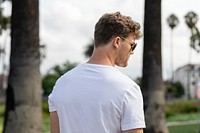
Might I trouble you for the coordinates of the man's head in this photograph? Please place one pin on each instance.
(111, 25)
(114, 39)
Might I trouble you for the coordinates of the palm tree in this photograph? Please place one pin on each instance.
(23, 103)
(191, 19)
(152, 82)
(4, 26)
(172, 21)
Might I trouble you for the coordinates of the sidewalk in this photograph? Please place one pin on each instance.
(179, 123)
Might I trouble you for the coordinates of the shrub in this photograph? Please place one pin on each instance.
(45, 107)
(181, 107)
(176, 90)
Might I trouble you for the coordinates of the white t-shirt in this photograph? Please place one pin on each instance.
(97, 99)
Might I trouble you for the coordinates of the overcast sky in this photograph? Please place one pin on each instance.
(66, 27)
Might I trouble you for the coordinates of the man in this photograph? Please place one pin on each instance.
(95, 97)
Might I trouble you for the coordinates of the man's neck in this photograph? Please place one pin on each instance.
(102, 57)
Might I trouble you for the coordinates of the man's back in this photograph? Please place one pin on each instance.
(97, 99)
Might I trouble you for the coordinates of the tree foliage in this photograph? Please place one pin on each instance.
(54, 73)
(48, 83)
(176, 90)
(4, 21)
(89, 49)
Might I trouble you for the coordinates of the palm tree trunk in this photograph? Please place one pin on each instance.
(152, 82)
(23, 103)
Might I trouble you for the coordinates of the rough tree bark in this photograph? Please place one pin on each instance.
(23, 103)
(152, 82)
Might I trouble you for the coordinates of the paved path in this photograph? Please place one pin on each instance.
(183, 123)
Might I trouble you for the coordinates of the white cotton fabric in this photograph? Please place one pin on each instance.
(97, 99)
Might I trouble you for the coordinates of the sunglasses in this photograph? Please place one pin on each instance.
(133, 45)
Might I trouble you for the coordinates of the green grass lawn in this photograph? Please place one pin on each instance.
(2, 108)
(45, 118)
(190, 128)
(194, 128)
(1, 124)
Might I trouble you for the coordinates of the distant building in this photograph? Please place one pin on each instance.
(189, 76)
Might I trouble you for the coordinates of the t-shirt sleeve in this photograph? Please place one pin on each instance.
(133, 112)
(51, 104)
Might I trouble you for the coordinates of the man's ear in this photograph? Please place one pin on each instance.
(117, 42)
